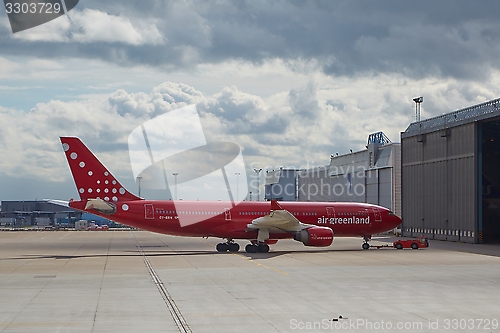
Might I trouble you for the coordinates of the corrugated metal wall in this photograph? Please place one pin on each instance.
(397, 182)
(314, 185)
(439, 177)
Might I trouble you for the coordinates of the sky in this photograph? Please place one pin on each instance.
(290, 82)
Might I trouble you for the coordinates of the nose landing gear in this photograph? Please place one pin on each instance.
(365, 245)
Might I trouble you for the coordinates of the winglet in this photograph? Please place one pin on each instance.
(275, 205)
(92, 179)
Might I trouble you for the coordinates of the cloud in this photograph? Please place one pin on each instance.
(92, 26)
(435, 39)
(95, 26)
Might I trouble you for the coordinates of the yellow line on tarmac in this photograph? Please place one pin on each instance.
(238, 255)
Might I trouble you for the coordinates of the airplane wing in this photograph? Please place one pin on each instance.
(279, 218)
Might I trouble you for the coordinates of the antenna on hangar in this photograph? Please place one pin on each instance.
(418, 101)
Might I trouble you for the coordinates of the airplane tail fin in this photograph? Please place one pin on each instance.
(92, 179)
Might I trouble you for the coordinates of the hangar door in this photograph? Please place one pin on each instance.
(489, 211)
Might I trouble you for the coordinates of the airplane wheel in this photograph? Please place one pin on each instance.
(366, 246)
(414, 246)
(251, 248)
(222, 247)
(234, 247)
(399, 246)
(263, 248)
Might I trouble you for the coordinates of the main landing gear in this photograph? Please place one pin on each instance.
(365, 245)
(230, 246)
(254, 248)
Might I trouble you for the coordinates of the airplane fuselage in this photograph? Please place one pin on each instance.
(221, 219)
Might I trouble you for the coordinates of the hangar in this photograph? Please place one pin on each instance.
(450, 178)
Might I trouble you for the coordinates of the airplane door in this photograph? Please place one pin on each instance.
(378, 216)
(330, 212)
(227, 212)
(149, 212)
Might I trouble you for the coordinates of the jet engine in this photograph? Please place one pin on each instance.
(315, 236)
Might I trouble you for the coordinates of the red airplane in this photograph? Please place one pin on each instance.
(262, 223)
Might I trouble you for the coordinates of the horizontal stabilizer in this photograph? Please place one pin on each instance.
(101, 206)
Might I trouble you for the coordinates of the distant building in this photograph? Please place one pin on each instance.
(39, 212)
(281, 185)
(372, 175)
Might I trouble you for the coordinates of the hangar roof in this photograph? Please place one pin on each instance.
(471, 114)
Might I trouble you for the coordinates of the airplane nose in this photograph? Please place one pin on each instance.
(397, 220)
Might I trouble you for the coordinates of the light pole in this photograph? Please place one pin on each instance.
(257, 171)
(139, 183)
(237, 185)
(418, 101)
(175, 175)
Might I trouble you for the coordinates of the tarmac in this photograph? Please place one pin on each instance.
(136, 281)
